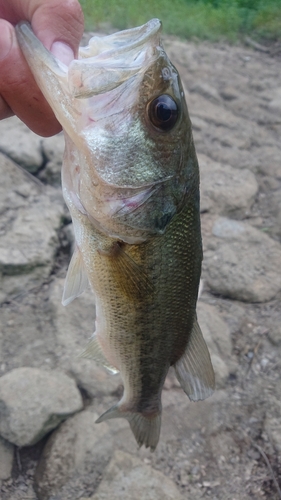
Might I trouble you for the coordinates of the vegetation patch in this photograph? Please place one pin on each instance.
(204, 19)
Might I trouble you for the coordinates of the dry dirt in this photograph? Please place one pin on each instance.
(229, 447)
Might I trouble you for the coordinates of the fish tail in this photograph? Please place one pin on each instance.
(145, 429)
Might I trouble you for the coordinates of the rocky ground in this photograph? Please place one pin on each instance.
(225, 448)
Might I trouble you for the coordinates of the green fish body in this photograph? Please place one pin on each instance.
(131, 182)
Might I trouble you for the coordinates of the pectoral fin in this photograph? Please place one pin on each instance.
(94, 351)
(194, 369)
(131, 276)
(76, 280)
(136, 279)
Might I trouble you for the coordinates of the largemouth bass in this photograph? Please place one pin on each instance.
(131, 182)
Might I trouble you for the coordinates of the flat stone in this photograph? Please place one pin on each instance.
(77, 452)
(20, 144)
(30, 215)
(33, 402)
(241, 262)
(128, 477)
(6, 459)
(226, 190)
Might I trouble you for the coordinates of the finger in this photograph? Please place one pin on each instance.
(66, 29)
(19, 90)
(52, 20)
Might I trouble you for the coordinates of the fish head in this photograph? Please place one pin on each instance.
(129, 161)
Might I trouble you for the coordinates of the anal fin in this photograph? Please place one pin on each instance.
(76, 280)
(194, 369)
(94, 351)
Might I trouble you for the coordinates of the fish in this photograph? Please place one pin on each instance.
(130, 179)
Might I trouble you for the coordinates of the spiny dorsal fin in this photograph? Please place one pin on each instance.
(94, 351)
(76, 280)
(194, 369)
(146, 430)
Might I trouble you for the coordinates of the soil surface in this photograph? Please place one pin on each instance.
(229, 446)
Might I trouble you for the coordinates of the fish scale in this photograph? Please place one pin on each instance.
(130, 179)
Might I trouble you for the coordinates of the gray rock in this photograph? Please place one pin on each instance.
(275, 103)
(206, 90)
(242, 262)
(20, 144)
(217, 336)
(274, 334)
(53, 148)
(272, 427)
(128, 477)
(73, 325)
(16, 187)
(33, 402)
(92, 378)
(226, 190)
(212, 113)
(267, 161)
(76, 452)
(6, 459)
(51, 174)
(229, 93)
(30, 216)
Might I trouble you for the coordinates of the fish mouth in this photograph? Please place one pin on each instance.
(104, 64)
(109, 61)
(122, 41)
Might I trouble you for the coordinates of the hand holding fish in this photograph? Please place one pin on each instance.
(59, 25)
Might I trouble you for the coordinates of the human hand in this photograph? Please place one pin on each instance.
(59, 24)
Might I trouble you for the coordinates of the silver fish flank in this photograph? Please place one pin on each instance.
(131, 182)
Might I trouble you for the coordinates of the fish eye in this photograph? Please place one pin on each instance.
(163, 112)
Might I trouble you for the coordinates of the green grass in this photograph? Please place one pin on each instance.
(205, 19)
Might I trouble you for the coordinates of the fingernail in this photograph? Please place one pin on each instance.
(6, 40)
(63, 52)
